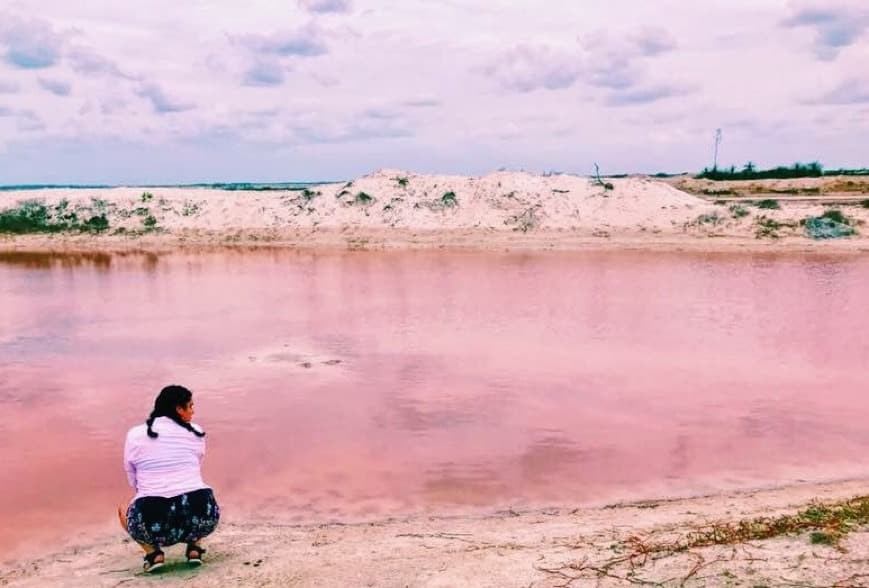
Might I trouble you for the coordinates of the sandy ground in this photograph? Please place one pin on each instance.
(395, 209)
(546, 548)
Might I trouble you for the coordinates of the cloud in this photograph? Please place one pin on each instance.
(305, 42)
(86, 61)
(836, 26)
(25, 120)
(533, 67)
(645, 96)
(324, 6)
(367, 126)
(160, 102)
(653, 42)
(264, 73)
(56, 87)
(9, 88)
(30, 44)
(851, 91)
(422, 103)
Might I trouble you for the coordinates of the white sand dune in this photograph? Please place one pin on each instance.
(393, 208)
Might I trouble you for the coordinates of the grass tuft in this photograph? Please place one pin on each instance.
(769, 204)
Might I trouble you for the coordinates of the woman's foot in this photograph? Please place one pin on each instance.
(154, 561)
(194, 554)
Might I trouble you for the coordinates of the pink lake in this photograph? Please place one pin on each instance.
(361, 385)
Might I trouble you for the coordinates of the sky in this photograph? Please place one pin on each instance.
(161, 91)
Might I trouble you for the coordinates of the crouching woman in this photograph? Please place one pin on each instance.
(162, 459)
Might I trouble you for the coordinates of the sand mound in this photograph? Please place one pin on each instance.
(502, 201)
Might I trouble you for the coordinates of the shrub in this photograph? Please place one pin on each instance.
(826, 227)
(31, 216)
(769, 204)
(836, 216)
(147, 196)
(362, 198)
(96, 224)
(864, 203)
(449, 199)
(738, 211)
(768, 227)
(402, 182)
(149, 222)
(711, 218)
(309, 194)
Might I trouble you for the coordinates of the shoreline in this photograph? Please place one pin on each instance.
(538, 548)
(405, 240)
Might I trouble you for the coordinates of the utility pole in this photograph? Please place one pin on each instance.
(717, 143)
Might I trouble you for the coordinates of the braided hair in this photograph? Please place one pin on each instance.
(169, 399)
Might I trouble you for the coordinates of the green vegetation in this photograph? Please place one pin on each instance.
(768, 227)
(830, 225)
(309, 194)
(711, 218)
(769, 204)
(363, 198)
(738, 211)
(750, 172)
(449, 200)
(190, 208)
(33, 216)
(402, 182)
(864, 203)
(828, 524)
(599, 182)
(149, 222)
(147, 196)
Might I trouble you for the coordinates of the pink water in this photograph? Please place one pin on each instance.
(363, 385)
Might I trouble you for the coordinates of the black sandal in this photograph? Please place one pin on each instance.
(151, 565)
(200, 551)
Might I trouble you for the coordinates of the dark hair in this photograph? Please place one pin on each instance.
(169, 399)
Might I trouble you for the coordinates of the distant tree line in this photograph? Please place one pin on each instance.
(798, 170)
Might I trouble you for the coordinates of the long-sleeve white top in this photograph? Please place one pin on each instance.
(166, 466)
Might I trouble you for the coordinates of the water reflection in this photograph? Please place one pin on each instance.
(350, 385)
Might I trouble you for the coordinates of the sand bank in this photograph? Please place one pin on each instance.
(545, 548)
(395, 209)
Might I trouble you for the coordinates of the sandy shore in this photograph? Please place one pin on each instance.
(395, 209)
(546, 548)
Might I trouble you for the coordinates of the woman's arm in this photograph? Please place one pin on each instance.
(129, 465)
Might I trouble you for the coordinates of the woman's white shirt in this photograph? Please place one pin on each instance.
(166, 466)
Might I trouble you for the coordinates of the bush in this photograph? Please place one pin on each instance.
(711, 218)
(449, 199)
(824, 227)
(33, 216)
(147, 196)
(96, 224)
(149, 222)
(738, 211)
(402, 182)
(836, 216)
(363, 198)
(864, 203)
(769, 204)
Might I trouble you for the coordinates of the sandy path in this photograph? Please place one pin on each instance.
(548, 548)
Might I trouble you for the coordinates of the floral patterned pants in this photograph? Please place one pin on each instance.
(184, 518)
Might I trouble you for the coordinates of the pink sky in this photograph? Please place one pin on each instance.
(321, 89)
